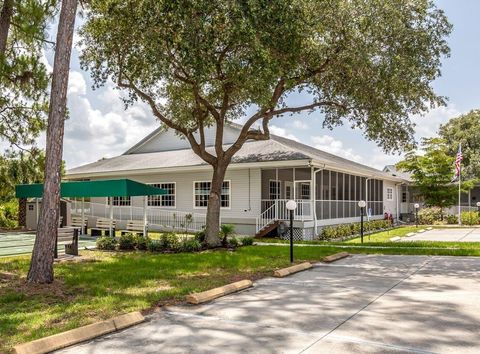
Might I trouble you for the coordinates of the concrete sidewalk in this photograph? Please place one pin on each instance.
(451, 234)
(361, 304)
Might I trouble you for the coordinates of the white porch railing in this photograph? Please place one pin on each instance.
(275, 209)
(161, 218)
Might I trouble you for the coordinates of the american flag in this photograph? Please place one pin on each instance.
(458, 162)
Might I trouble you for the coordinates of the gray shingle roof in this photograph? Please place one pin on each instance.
(275, 149)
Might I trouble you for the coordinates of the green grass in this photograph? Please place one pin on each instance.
(384, 236)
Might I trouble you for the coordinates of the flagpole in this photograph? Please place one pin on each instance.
(459, 189)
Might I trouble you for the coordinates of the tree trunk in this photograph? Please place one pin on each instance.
(213, 210)
(41, 267)
(22, 212)
(5, 19)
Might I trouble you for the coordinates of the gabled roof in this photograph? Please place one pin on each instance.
(392, 170)
(276, 149)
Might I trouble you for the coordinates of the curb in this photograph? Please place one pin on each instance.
(280, 273)
(335, 257)
(198, 298)
(78, 335)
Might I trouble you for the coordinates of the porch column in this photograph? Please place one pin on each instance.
(294, 185)
(83, 215)
(111, 216)
(145, 203)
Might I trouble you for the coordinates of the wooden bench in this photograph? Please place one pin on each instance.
(134, 227)
(67, 236)
(80, 224)
(103, 224)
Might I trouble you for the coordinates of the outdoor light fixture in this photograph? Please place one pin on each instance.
(416, 206)
(291, 206)
(361, 204)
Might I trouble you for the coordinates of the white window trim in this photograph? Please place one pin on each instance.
(389, 189)
(279, 188)
(229, 193)
(175, 196)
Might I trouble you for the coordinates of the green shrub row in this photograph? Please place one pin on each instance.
(346, 230)
(433, 216)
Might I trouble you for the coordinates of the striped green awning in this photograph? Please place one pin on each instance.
(100, 188)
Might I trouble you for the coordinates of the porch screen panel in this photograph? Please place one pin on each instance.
(325, 206)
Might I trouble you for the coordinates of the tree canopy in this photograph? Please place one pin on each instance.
(366, 63)
(23, 76)
(464, 130)
(432, 172)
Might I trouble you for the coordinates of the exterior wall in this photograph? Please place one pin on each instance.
(168, 140)
(390, 206)
(244, 195)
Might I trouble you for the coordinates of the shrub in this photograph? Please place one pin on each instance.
(429, 216)
(169, 241)
(346, 230)
(9, 214)
(127, 242)
(154, 245)
(226, 230)
(141, 242)
(469, 217)
(451, 219)
(106, 243)
(233, 242)
(247, 241)
(190, 245)
(200, 236)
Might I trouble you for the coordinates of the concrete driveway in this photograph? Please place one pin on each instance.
(362, 304)
(452, 234)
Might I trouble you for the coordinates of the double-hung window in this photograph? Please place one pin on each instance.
(389, 193)
(164, 200)
(274, 189)
(201, 193)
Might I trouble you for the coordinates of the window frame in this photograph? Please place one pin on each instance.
(118, 202)
(205, 207)
(389, 190)
(279, 189)
(161, 196)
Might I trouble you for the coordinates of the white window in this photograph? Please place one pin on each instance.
(274, 189)
(305, 191)
(201, 193)
(121, 201)
(165, 200)
(389, 193)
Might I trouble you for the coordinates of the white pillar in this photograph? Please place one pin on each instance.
(145, 202)
(83, 214)
(111, 216)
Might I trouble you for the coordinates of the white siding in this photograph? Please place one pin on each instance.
(244, 201)
(168, 140)
(390, 206)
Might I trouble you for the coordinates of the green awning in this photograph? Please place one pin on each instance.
(100, 188)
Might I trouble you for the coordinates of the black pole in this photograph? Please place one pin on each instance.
(361, 224)
(55, 253)
(291, 236)
(416, 217)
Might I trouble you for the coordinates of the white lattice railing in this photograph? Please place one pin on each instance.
(275, 209)
(161, 218)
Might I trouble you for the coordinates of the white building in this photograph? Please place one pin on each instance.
(262, 177)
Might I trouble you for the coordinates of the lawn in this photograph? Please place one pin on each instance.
(385, 236)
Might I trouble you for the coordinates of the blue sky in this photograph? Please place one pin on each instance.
(100, 127)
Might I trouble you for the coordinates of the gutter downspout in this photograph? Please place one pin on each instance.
(314, 175)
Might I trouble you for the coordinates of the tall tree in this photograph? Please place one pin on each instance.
(23, 76)
(432, 172)
(41, 266)
(464, 130)
(366, 63)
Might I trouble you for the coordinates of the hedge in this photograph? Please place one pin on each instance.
(346, 230)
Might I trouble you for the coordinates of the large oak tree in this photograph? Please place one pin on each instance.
(366, 63)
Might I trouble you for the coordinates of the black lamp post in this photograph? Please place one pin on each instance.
(416, 213)
(361, 204)
(291, 206)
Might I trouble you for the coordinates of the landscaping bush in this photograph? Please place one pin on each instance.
(190, 245)
(200, 236)
(233, 242)
(429, 216)
(106, 243)
(469, 218)
(154, 245)
(346, 230)
(451, 219)
(127, 242)
(141, 242)
(247, 241)
(226, 230)
(169, 241)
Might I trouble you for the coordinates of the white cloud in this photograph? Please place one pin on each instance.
(427, 126)
(300, 124)
(76, 83)
(282, 132)
(329, 144)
